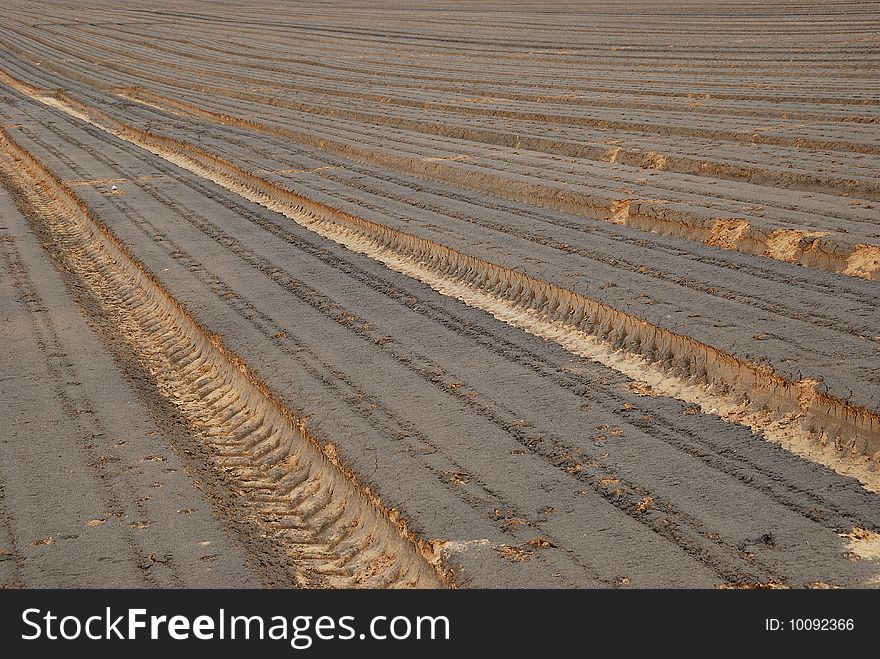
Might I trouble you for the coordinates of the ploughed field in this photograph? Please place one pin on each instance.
(474, 295)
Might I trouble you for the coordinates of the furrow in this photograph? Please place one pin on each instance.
(793, 413)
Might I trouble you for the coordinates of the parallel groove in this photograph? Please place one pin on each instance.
(749, 393)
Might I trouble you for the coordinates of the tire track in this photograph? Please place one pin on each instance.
(336, 535)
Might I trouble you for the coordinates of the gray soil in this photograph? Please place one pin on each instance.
(525, 465)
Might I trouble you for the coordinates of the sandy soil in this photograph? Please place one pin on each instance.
(570, 298)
